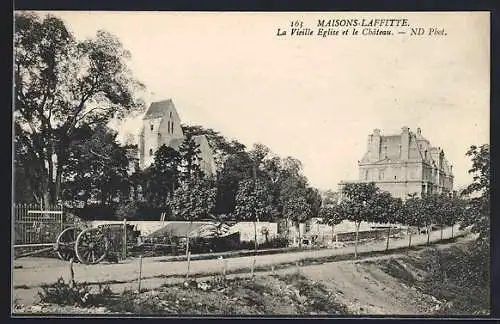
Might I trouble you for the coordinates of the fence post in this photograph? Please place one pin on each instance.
(188, 264)
(124, 249)
(140, 274)
(71, 274)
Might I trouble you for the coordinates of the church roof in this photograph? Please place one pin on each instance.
(175, 143)
(158, 109)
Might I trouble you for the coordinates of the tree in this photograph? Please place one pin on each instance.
(430, 208)
(193, 200)
(457, 213)
(189, 152)
(331, 215)
(97, 167)
(162, 177)
(298, 211)
(445, 211)
(313, 199)
(253, 203)
(359, 204)
(330, 198)
(236, 168)
(411, 214)
(478, 209)
(388, 210)
(61, 84)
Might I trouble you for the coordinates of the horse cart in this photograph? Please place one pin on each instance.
(91, 245)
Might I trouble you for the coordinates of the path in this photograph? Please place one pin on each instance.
(36, 271)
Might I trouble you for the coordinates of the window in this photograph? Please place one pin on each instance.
(170, 114)
(168, 126)
(151, 126)
(366, 175)
(150, 151)
(172, 127)
(381, 175)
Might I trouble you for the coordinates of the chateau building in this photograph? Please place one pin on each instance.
(161, 125)
(405, 164)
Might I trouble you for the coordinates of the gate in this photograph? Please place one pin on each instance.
(33, 225)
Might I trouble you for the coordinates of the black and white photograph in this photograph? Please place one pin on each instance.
(195, 164)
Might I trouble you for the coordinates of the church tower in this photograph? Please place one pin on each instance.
(160, 125)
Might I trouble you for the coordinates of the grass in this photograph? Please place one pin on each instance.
(78, 294)
(458, 276)
(285, 295)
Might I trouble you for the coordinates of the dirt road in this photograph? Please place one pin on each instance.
(32, 272)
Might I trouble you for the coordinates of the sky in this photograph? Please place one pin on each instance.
(313, 98)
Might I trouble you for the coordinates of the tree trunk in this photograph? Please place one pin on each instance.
(452, 230)
(298, 232)
(187, 248)
(61, 159)
(356, 242)
(428, 234)
(408, 233)
(441, 232)
(333, 233)
(255, 235)
(388, 235)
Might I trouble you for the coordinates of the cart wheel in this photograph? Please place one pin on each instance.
(66, 244)
(91, 246)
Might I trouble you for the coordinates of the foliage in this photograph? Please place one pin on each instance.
(97, 167)
(236, 168)
(331, 215)
(127, 211)
(60, 85)
(478, 209)
(194, 199)
(222, 147)
(388, 209)
(253, 201)
(297, 209)
(189, 152)
(63, 293)
(162, 177)
(412, 212)
(360, 203)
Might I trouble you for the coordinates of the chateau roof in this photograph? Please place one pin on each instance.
(158, 109)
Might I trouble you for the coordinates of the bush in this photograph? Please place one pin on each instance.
(79, 294)
(275, 243)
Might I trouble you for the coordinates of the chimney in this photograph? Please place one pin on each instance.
(375, 145)
(405, 143)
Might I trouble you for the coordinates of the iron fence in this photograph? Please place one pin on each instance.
(34, 225)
